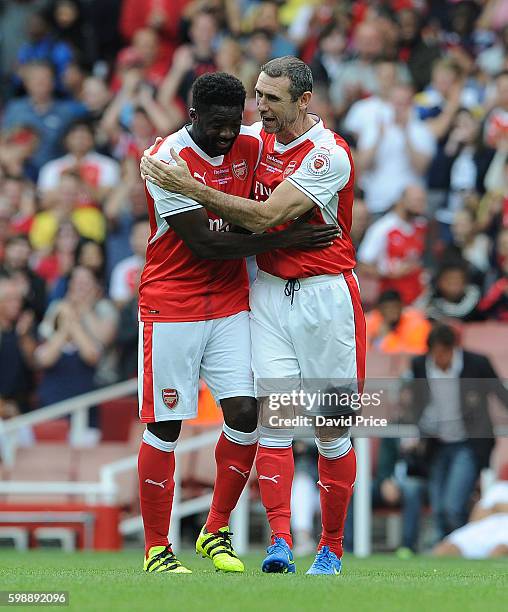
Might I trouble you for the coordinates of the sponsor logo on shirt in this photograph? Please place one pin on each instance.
(290, 168)
(274, 160)
(261, 192)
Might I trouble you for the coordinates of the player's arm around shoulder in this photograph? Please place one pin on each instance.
(323, 172)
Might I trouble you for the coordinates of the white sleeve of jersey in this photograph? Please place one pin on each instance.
(322, 173)
(168, 203)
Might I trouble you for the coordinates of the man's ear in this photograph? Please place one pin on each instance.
(305, 100)
(193, 114)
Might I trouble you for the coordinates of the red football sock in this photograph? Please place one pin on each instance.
(234, 462)
(336, 480)
(276, 468)
(156, 487)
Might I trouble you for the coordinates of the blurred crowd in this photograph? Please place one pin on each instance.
(419, 88)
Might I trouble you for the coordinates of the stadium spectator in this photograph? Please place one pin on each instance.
(76, 332)
(60, 260)
(17, 147)
(493, 60)
(494, 304)
(126, 203)
(190, 61)
(361, 221)
(304, 497)
(357, 79)
(451, 389)
(376, 108)
(400, 481)
(392, 328)
(42, 112)
(266, 17)
(394, 154)
(440, 101)
(145, 53)
(162, 15)
(328, 62)
(13, 34)
(496, 124)
(453, 295)
(66, 204)
(458, 168)
(20, 199)
(134, 117)
(90, 255)
(393, 246)
(99, 172)
(123, 284)
(17, 345)
(71, 27)
(471, 245)
(95, 96)
(16, 266)
(42, 46)
(486, 534)
(419, 54)
(127, 337)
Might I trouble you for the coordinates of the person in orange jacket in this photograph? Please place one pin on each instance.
(393, 328)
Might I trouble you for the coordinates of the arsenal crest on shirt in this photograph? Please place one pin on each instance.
(240, 169)
(170, 398)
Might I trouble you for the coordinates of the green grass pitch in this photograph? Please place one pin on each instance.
(114, 581)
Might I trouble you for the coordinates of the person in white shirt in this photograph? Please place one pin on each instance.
(377, 107)
(393, 154)
(124, 275)
(99, 172)
(486, 534)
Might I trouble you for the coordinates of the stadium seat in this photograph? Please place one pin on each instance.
(52, 431)
(116, 417)
(491, 339)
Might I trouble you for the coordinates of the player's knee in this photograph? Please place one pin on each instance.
(274, 437)
(327, 433)
(167, 431)
(333, 448)
(240, 413)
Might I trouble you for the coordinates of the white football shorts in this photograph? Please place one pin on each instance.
(315, 330)
(173, 356)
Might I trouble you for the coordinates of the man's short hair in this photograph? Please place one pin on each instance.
(217, 89)
(298, 73)
(79, 122)
(390, 295)
(442, 334)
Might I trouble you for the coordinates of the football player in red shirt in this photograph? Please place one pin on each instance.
(307, 320)
(194, 322)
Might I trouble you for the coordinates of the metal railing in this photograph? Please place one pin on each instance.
(106, 489)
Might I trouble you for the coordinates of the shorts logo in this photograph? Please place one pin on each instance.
(318, 164)
(290, 168)
(170, 398)
(240, 169)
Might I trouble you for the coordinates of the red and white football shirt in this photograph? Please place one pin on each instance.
(319, 164)
(175, 284)
(95, 169)
(390, 242)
